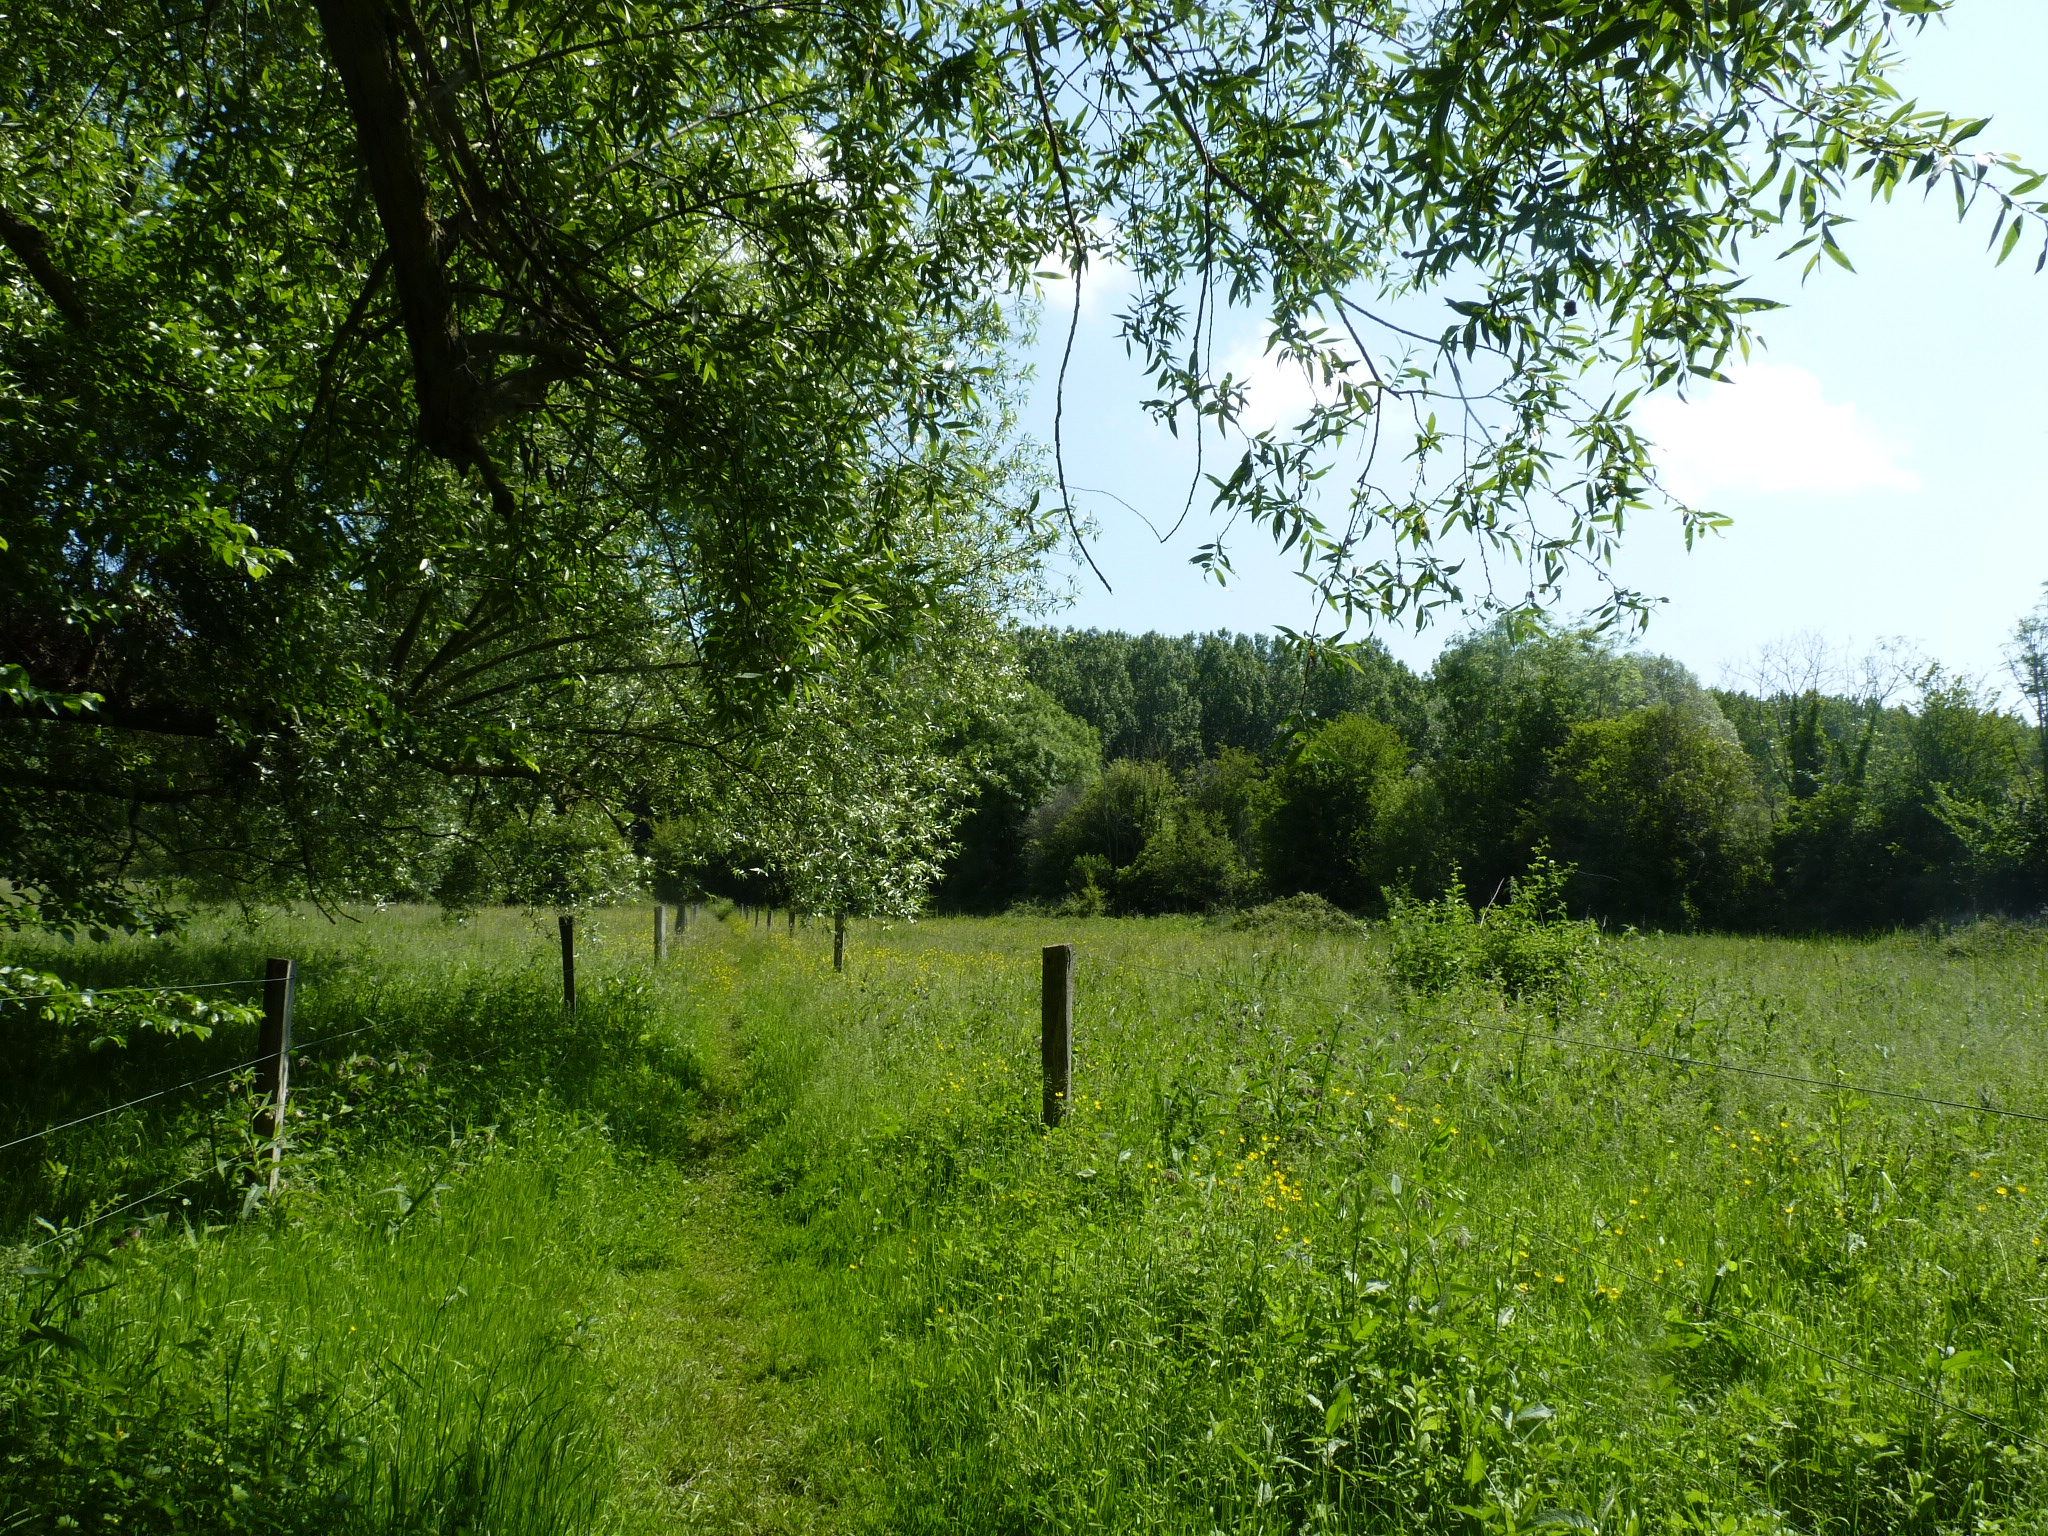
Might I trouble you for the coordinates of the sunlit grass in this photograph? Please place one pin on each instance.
(751, 1244)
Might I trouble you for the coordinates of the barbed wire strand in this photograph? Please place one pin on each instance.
(120, 1210)
(1798, 1343)
(1781, 1077)
(51, 1130)
(196, 986)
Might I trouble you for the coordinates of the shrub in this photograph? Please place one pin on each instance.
(1527, 947)
(1132, 842)
(1305, 913)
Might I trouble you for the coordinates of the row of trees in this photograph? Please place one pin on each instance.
(1149, 774)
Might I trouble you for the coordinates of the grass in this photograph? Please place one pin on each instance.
(753, 1246)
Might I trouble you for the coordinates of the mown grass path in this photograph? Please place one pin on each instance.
(723, 1404)
(721, 1397)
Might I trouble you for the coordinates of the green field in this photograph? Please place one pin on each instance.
(748, 1245)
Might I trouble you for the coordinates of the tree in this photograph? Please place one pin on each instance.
(1132, 841)
(1338, 811)
(1021, 752)
(1506, 703)
(1958, 751)
(1658, 811)
(403, 401)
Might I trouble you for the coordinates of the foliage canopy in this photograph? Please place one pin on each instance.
(407, 407)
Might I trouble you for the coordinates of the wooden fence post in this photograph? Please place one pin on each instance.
(792, 922)
(1056, 1045)
(567, 921)
(274, 1050)
(839, 941)
(660, 932)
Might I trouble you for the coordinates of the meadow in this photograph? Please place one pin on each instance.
(1325, 1242)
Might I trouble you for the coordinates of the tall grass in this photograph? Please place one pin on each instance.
(1316, 1252)
(402, 1338)
(1313, 1250)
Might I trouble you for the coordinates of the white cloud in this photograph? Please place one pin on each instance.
(1770, 430)
(1279, 392)
(1106, 283)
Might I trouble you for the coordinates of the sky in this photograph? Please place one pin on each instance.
(1881, 456)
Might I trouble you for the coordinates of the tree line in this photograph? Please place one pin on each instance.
(1153, 773)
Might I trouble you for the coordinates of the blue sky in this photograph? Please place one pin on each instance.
(1883, 457)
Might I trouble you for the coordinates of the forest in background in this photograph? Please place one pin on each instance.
(1154, 773)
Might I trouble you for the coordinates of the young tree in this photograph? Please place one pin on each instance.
(1657, 809)
(1020, 752)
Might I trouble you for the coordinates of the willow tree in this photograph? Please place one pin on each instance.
(405, 401)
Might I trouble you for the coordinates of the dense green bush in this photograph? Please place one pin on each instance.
(1132, 842)
(1528, 946)
(1344, 817)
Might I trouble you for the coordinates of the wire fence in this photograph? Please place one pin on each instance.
(297, 1050)
(115, 1109)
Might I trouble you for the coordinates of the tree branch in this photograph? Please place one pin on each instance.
(360, 42)
(31, 248)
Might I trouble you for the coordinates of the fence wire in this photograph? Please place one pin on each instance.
(51, 1130)
(196, 986)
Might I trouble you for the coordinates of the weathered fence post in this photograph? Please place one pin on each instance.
(660, 932)
(567, 920)
(792, 922)
(1056, 1045)
(839, 941)
(274, 1052)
